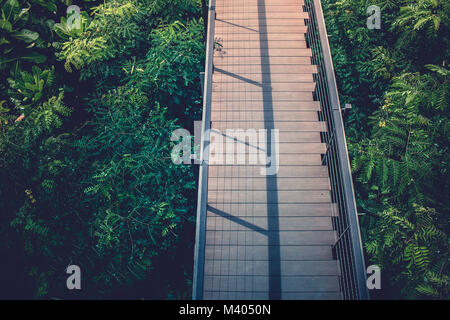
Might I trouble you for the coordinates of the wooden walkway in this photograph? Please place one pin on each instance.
(268, 236)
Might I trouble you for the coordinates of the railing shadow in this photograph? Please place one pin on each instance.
(238, 220)
(271, 184)
(236, 25)
(236, 76)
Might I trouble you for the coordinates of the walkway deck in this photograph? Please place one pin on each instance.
(268, 237)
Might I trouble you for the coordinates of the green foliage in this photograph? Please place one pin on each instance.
(39, 103)
(27, 90)
(169, 72)
(96, 39)
(412, 245)
(17, 42)
(85, 168)
(140, 197)
(427, 15)
(117, 28)
(397, 80)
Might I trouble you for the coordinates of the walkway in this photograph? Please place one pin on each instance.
(268, 236)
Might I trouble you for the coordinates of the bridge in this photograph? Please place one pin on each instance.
(276, 215)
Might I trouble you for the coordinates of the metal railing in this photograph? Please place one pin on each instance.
(348, 246)
(199, 250)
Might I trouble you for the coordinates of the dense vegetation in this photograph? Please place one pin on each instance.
(87, 108)
(397, 79)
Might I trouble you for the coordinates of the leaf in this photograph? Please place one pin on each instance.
(26, 35)
(34, 57)
(6, 25)
(49, 5)
(10, 9)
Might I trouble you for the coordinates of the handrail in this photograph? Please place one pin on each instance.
(199, 249)
(348, 249)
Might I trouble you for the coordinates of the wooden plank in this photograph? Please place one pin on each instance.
(276, 72)
(235, 295)
(268, 183)
(261, 52)
(244, 86)
(249, 295)
(300, 159)
(304, 126)
(254, 159)
(238, 155)
(295, 136)
(279, 210)
(264, 116)
(285, 159)
(241, 150)
(219, 223)
(249, 171)
(294, 284)
(259, 79)
(261, 253)
(290, 136)
(242, 15)
(237, 196)
(255, 3)
(301, 147)
(232, 144)
(251, 7)
(262, 106)
(243, 119)
(254, 171)
(335, 295)
(261, 22)
(268, 96)
(224, 28)
(254, 36)
(259, 239)
(285, 44)
(222, 60)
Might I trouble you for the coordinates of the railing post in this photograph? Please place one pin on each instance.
(199, 250)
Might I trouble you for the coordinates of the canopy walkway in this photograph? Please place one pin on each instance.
(287, 228)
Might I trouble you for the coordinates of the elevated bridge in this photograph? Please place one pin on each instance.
(277, 217)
